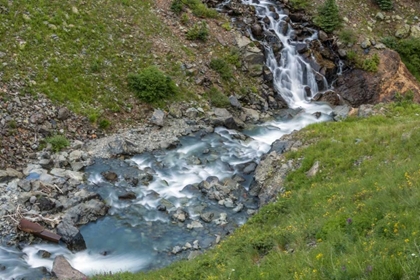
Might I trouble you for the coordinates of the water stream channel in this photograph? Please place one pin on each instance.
(139, 234)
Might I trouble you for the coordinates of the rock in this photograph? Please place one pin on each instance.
(365, 110)
(415, 31)
(380, 46)
(250, 168)
(380, 16)
(252, 114)
(207, 217)
(194, 224)
(110, 176)
(341, 112)
(314, 170)
(195, 245)
(75, 155)
(242, 41)
(365, 43)
(8, 174)
(63, 114)
(158, 117)
(322, 36)
(64, 271)
(360, 87)
(128, 196)
(222, 220)
(191, 113)
(176, 250)
(234, 102)
(257, 30)
(342, 53)
(45, 204)
(180, 215)
(71, 236)
(403, 31)
(238, 208)
(44, 254)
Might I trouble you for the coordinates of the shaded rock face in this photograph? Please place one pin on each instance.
(360, 87)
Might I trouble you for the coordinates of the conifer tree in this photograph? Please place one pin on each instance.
(385, 4)
(328, 17)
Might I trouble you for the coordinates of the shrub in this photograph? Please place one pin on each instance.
(58, 142)
(385, 5)
(328, 17)
(371, 64)
(217, 99)
(198, 32)
(177, 6)
(200, 10)
(221, 67)
(151, 85)
(347, 36)
(104, 124)
(299, 4)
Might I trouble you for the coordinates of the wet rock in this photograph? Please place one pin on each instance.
(322, 36)
(238, 208)
(71, 236)
(128, 196)
(194, 224)
(207, 217)
(166, 203)
(45, 204)
(63, 270)
(161, 208)
(222, 220)
(110, 176)
(176, 250)
(195, 245)
(44, 254)
(180, 215)
(257, 30)
(249, 168)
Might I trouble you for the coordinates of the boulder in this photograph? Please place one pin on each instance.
(403, 31)
(158, 117)
(64, 271)
(71, 236)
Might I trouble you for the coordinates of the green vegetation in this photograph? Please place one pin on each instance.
(221, 67)
(198, 8)
(217, 99)
(80, 54)
(299, 4)
(347, 36)
(328, 17)
(409, 50)
(199, 31)
(151, 85)
(385, 5)
(58, 142)
(357, 218)
(371, 64)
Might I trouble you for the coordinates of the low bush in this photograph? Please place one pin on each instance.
(221, 67)
(217, 99)
(371, 64)
(347, 36)
(199, 31)
(58, 142)
(151, 85)
(385, 5)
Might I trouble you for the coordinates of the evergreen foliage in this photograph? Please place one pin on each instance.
(409, 50)
(328, 17)
(151, 85)
(385, 5)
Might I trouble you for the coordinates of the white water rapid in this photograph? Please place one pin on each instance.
(138, 237)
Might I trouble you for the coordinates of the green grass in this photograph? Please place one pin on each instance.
(80, 55)
(357, 218)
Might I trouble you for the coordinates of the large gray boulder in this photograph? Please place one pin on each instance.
(63, 270)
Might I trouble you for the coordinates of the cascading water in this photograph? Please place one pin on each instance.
(136, 235)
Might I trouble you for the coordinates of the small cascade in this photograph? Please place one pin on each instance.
(141, 233)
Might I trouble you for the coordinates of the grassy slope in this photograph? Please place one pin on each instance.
(356, 219)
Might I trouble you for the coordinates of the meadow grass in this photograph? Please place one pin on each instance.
(357, 218)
